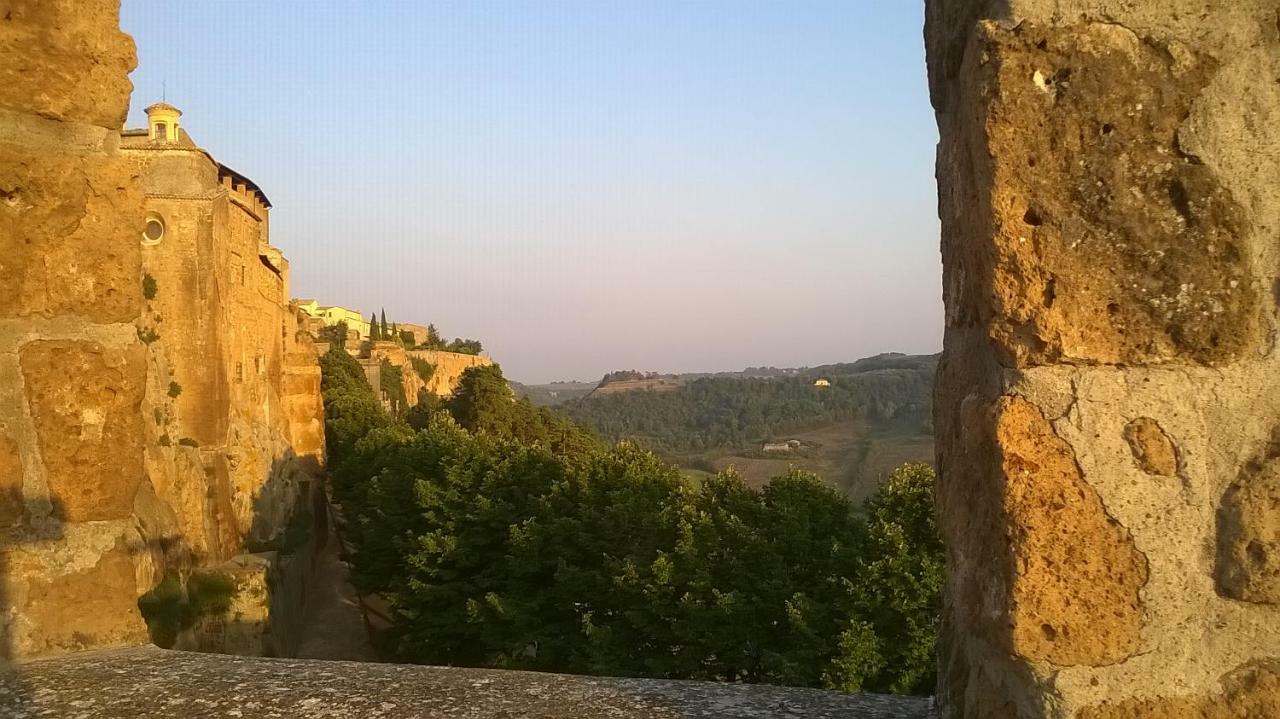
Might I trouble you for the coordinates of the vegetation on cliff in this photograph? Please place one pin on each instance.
(505, 535)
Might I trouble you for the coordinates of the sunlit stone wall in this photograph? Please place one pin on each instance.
(1108, 403)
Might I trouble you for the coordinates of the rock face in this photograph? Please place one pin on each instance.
(158, 411)
(449, 367)
(1107, 406)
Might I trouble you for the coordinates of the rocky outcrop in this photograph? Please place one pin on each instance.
(159, 409)
(1107, 400)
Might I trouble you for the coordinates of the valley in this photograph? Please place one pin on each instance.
(849, 423)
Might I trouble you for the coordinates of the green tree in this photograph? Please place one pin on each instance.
(386, 330)
(335, 335)
(901, 570)
(391, 379)
(465, 346)
(505, 536)
(434, 341)
(375, 332)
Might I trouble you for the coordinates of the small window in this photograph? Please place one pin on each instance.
(162, 132)
(153, 230)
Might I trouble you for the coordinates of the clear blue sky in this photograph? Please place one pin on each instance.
(582, 185)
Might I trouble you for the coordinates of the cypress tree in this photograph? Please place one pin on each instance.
(375, 332)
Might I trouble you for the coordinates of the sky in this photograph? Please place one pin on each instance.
(583, 185)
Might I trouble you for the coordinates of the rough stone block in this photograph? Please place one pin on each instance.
(86, 402)
(94, 607)
(1074, 594)
(1112, 244)
(66, 60)
(70, 229)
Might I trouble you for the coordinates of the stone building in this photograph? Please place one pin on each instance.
(243, 379)
(330, 315)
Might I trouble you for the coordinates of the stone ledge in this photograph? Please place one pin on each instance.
(146, 682)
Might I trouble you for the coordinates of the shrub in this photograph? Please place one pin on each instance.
(167, 609)
(175, 389)
(149, 286)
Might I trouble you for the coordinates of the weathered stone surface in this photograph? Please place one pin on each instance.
(1152, 449)
(1249, 536)
(62, 611)
(449, 368)
(1253, 691)
(1074, 594)
(1106, 190)
(1111, 243)
(69, 226)
(149, 683)
(66, 60)
(86, 402)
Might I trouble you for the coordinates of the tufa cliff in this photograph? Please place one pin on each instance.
(159, 411)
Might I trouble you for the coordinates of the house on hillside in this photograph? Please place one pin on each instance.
(787, 446)
(822, 382)
(357, 324)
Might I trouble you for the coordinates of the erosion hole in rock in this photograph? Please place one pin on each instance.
(1050, 293)
(1032, 217)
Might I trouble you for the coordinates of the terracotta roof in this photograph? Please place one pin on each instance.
(162, 106)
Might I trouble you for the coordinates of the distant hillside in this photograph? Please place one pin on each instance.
(874, 410)
(547, 395)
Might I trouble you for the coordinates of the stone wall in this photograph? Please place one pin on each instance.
(129, 447)
(1107, 407)
(73, 372)
(449, 368)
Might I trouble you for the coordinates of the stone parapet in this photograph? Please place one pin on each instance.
(147, 682)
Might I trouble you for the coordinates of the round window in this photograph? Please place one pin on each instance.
(153, 231)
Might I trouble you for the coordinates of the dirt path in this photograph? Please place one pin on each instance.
(334, 626)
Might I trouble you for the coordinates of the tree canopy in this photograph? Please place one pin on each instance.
(506, 536)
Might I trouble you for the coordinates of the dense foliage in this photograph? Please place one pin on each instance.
(737, 411)
(506, 536)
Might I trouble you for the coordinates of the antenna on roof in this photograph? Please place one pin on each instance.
(164, 91)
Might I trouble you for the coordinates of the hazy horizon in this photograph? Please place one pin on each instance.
(583, 186)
